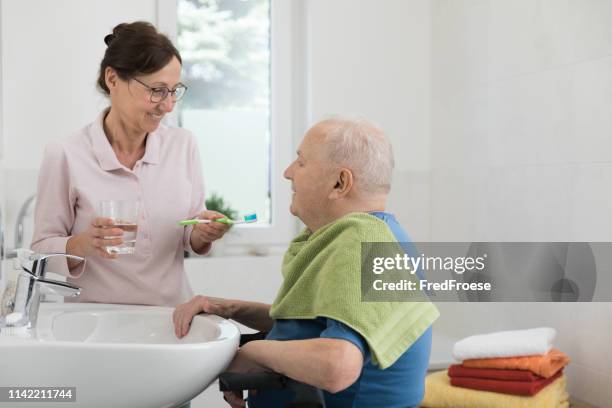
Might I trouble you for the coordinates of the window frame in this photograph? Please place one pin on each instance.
(285, 84)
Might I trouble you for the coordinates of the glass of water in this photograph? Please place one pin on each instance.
(125, 216)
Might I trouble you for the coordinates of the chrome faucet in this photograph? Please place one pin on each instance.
(31, 284)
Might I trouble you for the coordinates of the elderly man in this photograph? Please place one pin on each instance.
(362, 354)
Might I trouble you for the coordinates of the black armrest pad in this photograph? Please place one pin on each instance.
(307, 396)
(251, 381)
(245, 338)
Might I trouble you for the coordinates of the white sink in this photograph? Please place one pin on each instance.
(117, 355)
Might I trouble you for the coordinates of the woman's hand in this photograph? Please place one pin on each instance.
(95, 239)
(203, 234)
(184, 313)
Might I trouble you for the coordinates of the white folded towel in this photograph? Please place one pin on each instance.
(513, 343)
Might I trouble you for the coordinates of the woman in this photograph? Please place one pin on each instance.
(127, 154)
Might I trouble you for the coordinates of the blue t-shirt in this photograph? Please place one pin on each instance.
(401, 385)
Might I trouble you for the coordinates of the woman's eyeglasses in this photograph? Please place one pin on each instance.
(159, 93)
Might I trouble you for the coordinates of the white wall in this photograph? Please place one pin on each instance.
(520, 152)
(51, 51)
(372, 58)
(44, 99)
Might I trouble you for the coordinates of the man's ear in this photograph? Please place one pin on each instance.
(111, 78)
(344, 184)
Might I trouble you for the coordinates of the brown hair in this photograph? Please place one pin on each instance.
(133, 49)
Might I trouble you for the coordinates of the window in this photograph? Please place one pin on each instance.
(237, 57)
(225, 45)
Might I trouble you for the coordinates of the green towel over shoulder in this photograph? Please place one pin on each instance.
(322, 278)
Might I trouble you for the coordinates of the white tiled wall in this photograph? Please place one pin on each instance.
(521, 102)
(410, 201)
(372, 59)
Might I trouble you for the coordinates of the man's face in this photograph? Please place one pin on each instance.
(312, 178)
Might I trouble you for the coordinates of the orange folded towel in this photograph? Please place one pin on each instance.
(545, 365)
(504, 386)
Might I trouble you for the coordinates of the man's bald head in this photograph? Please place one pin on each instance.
(362, 147)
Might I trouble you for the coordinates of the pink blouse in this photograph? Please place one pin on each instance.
(79, 172)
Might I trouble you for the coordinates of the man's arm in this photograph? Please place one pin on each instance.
(252, 314)
(330, 364)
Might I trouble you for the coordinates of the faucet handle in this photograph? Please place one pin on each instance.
(36, 263)
(40, 257)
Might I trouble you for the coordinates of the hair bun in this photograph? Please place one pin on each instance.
(109, 39)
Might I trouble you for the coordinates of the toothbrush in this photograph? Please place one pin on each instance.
(245, 220)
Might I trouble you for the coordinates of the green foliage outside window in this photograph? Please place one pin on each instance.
(216, 203)
(225, 50)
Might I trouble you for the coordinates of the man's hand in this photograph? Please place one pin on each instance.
(234, 398)
(184, 313)
(242, 363)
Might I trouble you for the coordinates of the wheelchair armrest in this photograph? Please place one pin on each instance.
(306, 396)
(245, 338)
(251, 381)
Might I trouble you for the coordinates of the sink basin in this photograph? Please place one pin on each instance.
(117, 355)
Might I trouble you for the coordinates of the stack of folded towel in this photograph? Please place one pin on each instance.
(504, 369)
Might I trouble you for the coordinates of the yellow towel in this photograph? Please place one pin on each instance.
(439, 393)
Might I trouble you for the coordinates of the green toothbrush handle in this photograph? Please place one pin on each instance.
(224, 221)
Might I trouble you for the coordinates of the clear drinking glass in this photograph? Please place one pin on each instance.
(125, 216)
